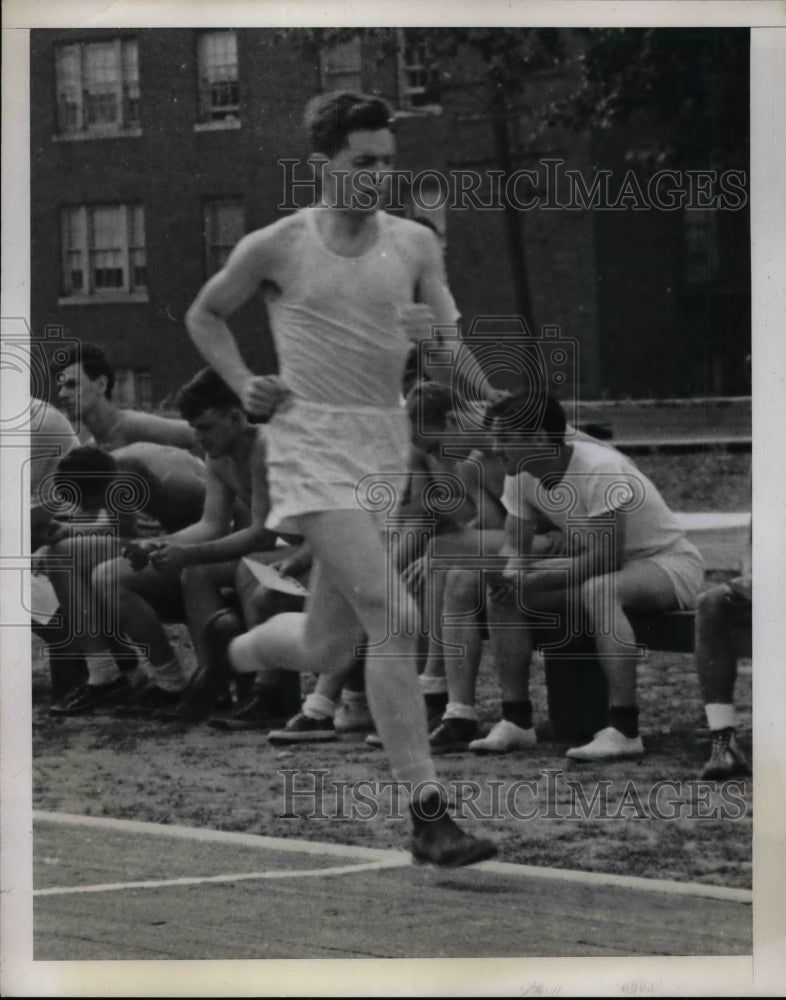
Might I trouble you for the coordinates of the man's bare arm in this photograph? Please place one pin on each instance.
(248, 265)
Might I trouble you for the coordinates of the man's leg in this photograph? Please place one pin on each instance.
(349, 593)
(461, 633)
(639, 586)
(511, 646)
(136, 598)
(718, 611)
(86, 628)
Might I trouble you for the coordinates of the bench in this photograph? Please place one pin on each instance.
(575, 683)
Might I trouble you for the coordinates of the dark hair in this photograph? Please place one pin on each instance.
(526, 411)
(206, 391)
(85, 470)
(329, 119)
(92, 360)
(429, 403)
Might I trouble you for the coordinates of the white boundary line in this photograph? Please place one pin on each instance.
(377, 858)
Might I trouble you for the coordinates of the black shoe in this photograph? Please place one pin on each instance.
(256, 712)
(208, 683)
(435, 709)
(304, 729)
(439, 841)
(85, 699)
(150, 700)
(726, 759)
(452, 735)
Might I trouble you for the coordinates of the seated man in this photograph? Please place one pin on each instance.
(720, 612)
(110, 490)
(625, 551)
(85, 382)
(204, 557)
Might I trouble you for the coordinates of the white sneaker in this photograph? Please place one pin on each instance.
(504, 737)
(353, 717)
(609, 744)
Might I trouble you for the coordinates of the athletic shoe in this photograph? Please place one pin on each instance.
(304, 729)
(440, 842)
(452, 735)
(88, 697)
(252, 713)
(608, 744)
(150, 700)
(353, 717)
(505, 737)
(726, 759)
(207, 682)
(374, 740)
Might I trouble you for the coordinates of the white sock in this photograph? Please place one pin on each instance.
(169, 676)
(101, 669)
(317, 706)
(433, 685)
(720, 716)
(456, 710)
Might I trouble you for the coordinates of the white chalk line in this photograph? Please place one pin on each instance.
(379, 858)
(369, 866)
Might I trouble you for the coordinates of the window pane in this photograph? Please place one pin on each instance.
(341, 66)
(224, 227)
(69, 87)
(218, 74)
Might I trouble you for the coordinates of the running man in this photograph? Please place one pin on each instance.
(341, 280)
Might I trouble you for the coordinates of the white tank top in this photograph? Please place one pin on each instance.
(335, 324)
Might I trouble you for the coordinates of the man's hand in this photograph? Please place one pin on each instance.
(262, 395)
(502, 586)
(417, 321)
(169, 557)
(138, 553)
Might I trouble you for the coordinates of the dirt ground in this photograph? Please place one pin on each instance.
(649, 817)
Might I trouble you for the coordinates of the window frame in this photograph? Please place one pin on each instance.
(124, 126)
(209, 116)
(326, 72)
(405, 90)
(89, 293)
(209, 248)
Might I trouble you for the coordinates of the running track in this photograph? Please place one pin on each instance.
(113, 889)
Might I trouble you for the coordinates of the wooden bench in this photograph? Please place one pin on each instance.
(575, 683)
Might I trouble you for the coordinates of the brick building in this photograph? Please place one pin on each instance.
(154, 150)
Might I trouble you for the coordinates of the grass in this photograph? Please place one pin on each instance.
(146, 770)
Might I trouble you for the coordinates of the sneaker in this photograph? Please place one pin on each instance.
(208, 682)
(726, 759)
(255, 712)
(440, 842)
(505, 737)
(150, 700)
(452, 735)
(608, 744)
(374, 740)
(304, 729)
(88, 697)
(353, 717)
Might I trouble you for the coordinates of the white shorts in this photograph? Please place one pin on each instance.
(323, 457)
(685, 568)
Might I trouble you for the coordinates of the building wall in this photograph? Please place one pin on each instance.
(611, 282)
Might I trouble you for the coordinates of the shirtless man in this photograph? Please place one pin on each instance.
(341, 281)
(111, 490)
(203, 557)
(85, 382)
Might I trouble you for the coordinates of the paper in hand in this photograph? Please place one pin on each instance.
(273, 580)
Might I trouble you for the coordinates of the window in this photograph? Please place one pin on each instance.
(103, 251)
(701, 246)
(224, 226)
(219, 91)
(417, 72)
(97, 88)
(340, 66)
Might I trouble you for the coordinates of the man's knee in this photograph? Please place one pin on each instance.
(712, 604)
(463, 590)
